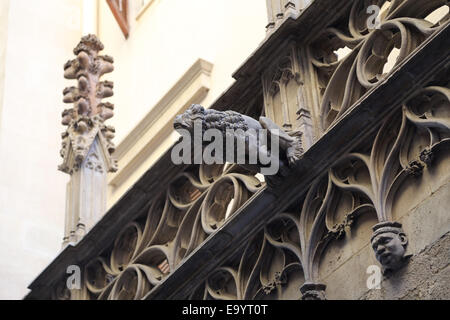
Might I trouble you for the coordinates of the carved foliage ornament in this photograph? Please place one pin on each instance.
(85, 120)
(403, 148)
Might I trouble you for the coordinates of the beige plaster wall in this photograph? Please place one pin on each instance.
(38, 39)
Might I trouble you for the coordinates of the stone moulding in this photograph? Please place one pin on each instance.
(261, 222)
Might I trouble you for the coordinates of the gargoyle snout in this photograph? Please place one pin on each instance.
(178, 122)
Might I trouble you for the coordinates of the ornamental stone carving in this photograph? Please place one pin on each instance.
(87, 145)
(85, 120)
(342, 79)
(364, 182)
(389, 243)
(243, 131)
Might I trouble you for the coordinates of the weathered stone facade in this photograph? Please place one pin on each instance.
(371, 192)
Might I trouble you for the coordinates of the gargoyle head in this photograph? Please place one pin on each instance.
(389, 243)
(88, 43)
(186, 120)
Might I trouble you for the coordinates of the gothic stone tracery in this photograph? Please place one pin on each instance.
(310, 89)
(197, 203)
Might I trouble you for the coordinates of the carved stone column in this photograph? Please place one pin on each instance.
(87, 143)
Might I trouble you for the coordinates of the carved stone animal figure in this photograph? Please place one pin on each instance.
(290, 147)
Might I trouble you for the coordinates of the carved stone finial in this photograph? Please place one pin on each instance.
(313, 291)
(389, 243)
(279, 280)
(85, 120)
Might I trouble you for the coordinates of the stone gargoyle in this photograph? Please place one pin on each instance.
(260, 137)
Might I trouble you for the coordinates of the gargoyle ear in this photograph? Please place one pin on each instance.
(403, 239)
(196, 108)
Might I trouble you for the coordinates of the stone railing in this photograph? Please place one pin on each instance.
(376, 139)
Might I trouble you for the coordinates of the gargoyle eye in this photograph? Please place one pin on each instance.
(196, 108)
(385, 240)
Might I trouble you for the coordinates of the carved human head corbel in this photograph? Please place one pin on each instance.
(389, 243)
